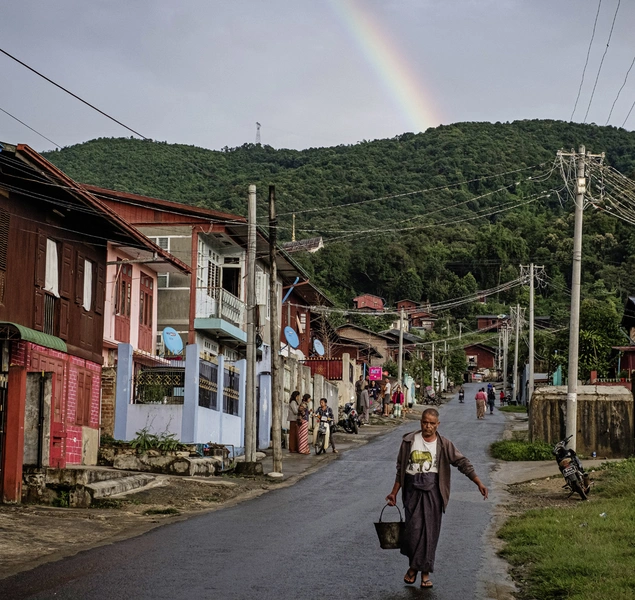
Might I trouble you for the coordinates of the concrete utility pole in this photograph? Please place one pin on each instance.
(274, 334)
(505, 350)
(445, 351)
(250, 392)
(433, 386)
(400, 361)
(531, 334)
(515, 378)
(574, 327)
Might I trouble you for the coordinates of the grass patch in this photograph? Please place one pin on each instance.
(161, 511)
(513, 409)
(521, 450)
(575, 552)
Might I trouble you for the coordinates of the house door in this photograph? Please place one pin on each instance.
(58, 410)
(122, 304)
(145, 313)
(3, 412)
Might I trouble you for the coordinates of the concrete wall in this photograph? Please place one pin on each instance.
(156, 417)
(604, 419)
(108, 396)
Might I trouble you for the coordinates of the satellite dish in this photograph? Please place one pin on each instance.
(292, 337)
(318, 347)
(172, 340)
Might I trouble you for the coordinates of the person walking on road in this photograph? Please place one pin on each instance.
(480, 398)
(423, 476)
(303, 425)
(292, 417)
(491, 400)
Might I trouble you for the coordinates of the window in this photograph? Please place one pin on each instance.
(84, 397)
(163, 280)
(87, 302)
(4, 246)
(51, 277)
(145, 301)
(163, 243)
(124, 291)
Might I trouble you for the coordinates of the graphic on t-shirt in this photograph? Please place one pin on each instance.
(420, 461)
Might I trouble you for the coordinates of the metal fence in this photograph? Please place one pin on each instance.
(159, 385)
(231, 391)
(329, 368)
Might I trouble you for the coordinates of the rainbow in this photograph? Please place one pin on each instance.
(400, 79)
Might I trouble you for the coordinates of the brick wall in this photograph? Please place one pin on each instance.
(108, 394)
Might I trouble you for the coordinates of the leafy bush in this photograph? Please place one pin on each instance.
(521, 450)
(164, 442)
(513, 409)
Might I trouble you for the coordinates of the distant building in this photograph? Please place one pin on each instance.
(310, 245)
(480, 356)
(490, 322)
(369, 302)
(419, 316)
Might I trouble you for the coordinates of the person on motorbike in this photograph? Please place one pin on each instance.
(325, 411)
(461, 394)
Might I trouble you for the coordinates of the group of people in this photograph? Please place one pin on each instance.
(482, 399)
(368, 392)
(298, 417)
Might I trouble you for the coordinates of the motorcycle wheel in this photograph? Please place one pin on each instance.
(578, 489)
(355, 428)
(319, 444)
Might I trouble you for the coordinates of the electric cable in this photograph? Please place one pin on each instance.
(597, 14)
(29, 127)
(602, 61)
(620, 91)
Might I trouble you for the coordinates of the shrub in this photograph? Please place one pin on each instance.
(521, 450)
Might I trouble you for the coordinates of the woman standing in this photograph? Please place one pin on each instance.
(292, 417)
(480, 398)
(303, 425)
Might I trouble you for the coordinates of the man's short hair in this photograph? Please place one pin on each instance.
(430, 411)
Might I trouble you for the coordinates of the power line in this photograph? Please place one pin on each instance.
(72, 94)
(602, 61)
(29, 127)
(629, 113)
(619, 92)
(587, 60)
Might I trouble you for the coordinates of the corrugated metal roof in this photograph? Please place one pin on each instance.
(37, 337)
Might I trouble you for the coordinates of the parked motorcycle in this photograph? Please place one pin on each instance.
(571, 469)
(350, 421)
(321, 442)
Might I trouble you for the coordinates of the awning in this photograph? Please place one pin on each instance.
(13, 331)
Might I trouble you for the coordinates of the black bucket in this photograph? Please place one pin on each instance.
(389, 534)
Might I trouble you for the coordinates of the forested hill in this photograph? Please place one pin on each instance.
(426, 246)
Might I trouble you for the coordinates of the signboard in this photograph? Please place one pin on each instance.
(374, 373)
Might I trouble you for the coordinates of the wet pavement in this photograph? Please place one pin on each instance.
(313, 539)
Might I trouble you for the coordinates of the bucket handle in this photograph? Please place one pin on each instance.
(383, 509)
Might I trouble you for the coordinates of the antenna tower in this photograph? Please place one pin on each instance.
(257, 133)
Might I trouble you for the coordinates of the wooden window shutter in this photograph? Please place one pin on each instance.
(4, 238)
(65, 313)
(40, 260)
(66, 280)
(100, 291)
(38, 313)
(88, 396)
(79, 279)
(79, 405)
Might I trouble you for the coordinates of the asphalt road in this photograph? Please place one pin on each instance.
(314, 539)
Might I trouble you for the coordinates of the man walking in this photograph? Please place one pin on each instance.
(423, 476)
(386, 396)
(365, 404)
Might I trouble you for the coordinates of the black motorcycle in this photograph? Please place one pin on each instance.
(571, 469)
(349, 420)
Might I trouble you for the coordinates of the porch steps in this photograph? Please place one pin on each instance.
(85, 495)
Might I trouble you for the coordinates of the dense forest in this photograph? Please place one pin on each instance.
(430, 216)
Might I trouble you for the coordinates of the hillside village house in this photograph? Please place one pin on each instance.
(204, 396)
(369, 302)
(53, 257)
(419, 317)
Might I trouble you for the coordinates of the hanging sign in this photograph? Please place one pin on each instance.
(374, 373)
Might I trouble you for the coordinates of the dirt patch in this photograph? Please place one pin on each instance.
(33, 534)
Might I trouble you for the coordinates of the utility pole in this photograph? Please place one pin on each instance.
(400, 361)
(250, 395)
(531, 334)
(515, 379)
(460, 330)
(433, 386)
(445, 351)
(274, 333)
(505, 350)
(574, 326)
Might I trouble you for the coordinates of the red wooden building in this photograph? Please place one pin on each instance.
(480, 356)
(53, 238)
(368, 302)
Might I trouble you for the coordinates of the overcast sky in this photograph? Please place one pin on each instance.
(312, 72)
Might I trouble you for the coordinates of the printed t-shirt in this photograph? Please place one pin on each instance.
(423, 456)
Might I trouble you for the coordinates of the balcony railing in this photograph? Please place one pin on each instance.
(218, 303)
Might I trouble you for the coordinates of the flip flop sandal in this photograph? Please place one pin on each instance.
(426, 584)
(410, 580)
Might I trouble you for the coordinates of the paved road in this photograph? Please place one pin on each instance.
(313, 540)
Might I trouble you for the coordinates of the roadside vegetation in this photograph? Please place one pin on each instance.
(581, 551)
(521, 450)
(513, 409)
